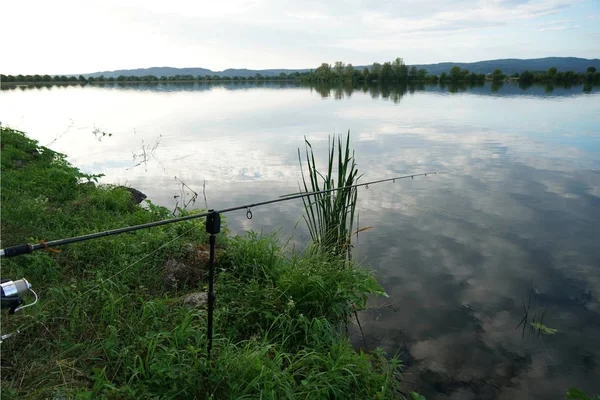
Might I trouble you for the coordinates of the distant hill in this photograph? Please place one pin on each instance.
(169, 71)
(512, 65)
(156, 71)
(508, 66)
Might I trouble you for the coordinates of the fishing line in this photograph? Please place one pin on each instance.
(30, 248)
(134, 263)
(12, 291)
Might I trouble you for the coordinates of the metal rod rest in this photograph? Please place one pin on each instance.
(213, 226)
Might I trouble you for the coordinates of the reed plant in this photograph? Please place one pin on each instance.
(330, 216)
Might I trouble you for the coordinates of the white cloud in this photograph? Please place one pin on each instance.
(560, 28)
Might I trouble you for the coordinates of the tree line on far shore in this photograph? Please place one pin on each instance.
(398, 72)
(555, 76)
(146, 78)
(389, 72)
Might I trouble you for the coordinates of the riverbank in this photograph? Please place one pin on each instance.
(125, 316)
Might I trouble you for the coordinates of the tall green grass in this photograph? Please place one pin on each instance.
(330, 216)
(108, 325)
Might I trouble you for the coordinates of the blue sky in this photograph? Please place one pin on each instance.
(69, 36)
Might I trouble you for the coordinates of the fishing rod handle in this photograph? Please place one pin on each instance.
(17, 250)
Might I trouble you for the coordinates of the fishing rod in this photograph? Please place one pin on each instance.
(30, 248)
(213, 227)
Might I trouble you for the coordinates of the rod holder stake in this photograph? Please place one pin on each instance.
(213, 226)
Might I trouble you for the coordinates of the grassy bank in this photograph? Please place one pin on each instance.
(113, 320)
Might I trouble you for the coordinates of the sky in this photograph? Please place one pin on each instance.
(72, 37)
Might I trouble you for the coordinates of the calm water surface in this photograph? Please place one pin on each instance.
(516, 211)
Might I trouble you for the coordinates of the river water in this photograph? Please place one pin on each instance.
(513, 215)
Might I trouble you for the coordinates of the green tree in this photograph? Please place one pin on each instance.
(551, 72)
(375, 71)
(365, 74)
(455, 74)
(443, 77)
(526, 77)
(338, 69)
(386, 72)
(281, 75)
(570, 76)
(497, 75)
(81, 78)
(400, 70)
(591, 77)
(349, 72)
(323, 73)
(412, 75)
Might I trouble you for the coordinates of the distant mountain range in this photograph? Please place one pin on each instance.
(512, 65)
(508, 66)
(170, 71)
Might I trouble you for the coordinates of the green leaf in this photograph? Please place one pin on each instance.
(543, 328)
(417, 396)
(574, 393)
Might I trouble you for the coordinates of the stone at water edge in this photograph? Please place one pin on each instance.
(137, 196)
